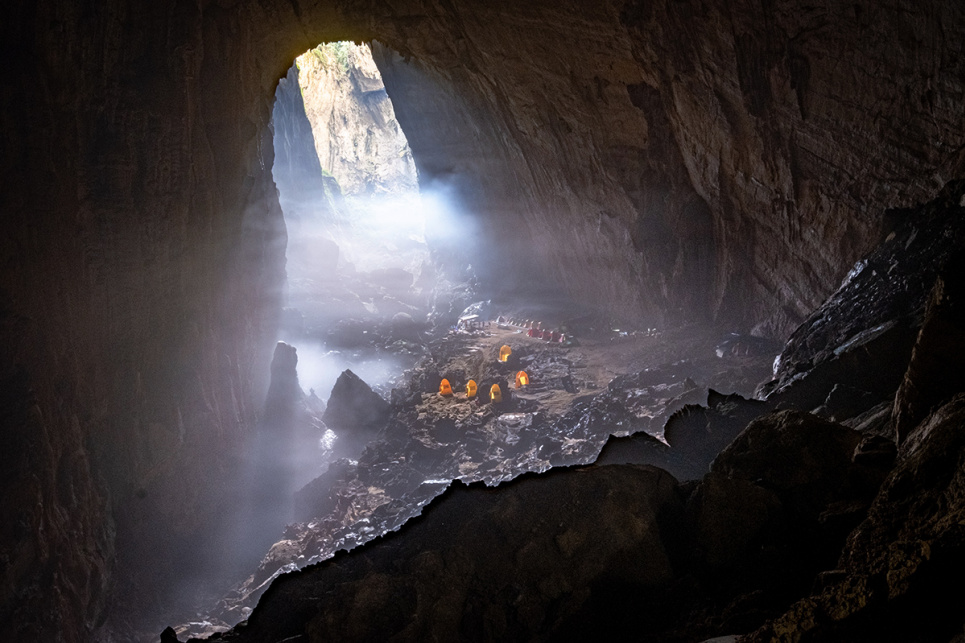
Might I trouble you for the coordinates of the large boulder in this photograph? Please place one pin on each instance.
(776, 508)
(355, 413)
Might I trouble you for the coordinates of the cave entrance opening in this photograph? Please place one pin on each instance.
(359, 274)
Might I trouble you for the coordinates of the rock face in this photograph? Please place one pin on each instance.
(934, 373)
(304, 192)
(357, 137)
(861, 338)
(481, 564)
(654, 158)
(355, 412)
(668, 123)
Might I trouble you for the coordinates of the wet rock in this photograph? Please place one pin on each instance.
(935, 372)
(865, 331)
(355, 412)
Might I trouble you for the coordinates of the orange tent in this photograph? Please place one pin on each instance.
(522, 379)
(495, 394)
(445, 388)
(504, 353)
(471, 388)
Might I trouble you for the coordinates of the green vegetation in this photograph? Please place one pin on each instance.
(329, 53)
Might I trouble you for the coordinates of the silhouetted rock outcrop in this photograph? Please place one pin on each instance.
(355, 412)
(899, 575)
(483, 564)
(937, 367)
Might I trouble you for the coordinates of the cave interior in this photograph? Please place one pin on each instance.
(761, 179)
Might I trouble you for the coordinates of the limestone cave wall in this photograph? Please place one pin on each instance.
(729, 160)
(663, 160)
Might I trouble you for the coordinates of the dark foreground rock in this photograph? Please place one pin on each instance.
(481, 564)
(596, 551)
(900, 574)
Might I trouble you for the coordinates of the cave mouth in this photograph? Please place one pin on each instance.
(368, 290)
(360, 276)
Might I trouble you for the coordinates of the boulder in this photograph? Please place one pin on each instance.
(355, 413)
(775, 509)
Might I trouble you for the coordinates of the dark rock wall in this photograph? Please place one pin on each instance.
(665, 159)
(141, 273)
(637, 128)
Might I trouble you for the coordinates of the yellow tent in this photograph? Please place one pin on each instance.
(495, 394)
(504, 353)
(445, 388)
(471, 388)
(522, 379)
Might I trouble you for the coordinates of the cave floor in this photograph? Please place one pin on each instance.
(433, 439)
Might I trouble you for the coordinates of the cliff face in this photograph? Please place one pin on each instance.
(357, 138)
(730, 159)
(143, 252)
(675, 160)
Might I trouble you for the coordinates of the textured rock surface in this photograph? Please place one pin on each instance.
(899, 569)
(357, 137)
(303, 191)
(355, 412)
(861, 337)
(781, 130)
(935, 371)
(484, 564)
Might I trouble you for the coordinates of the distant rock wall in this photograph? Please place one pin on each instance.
(357, 137)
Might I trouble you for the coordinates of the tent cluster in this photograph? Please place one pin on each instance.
(495, 393)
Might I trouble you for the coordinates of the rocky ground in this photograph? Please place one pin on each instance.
(580, 394)
(829, 510)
